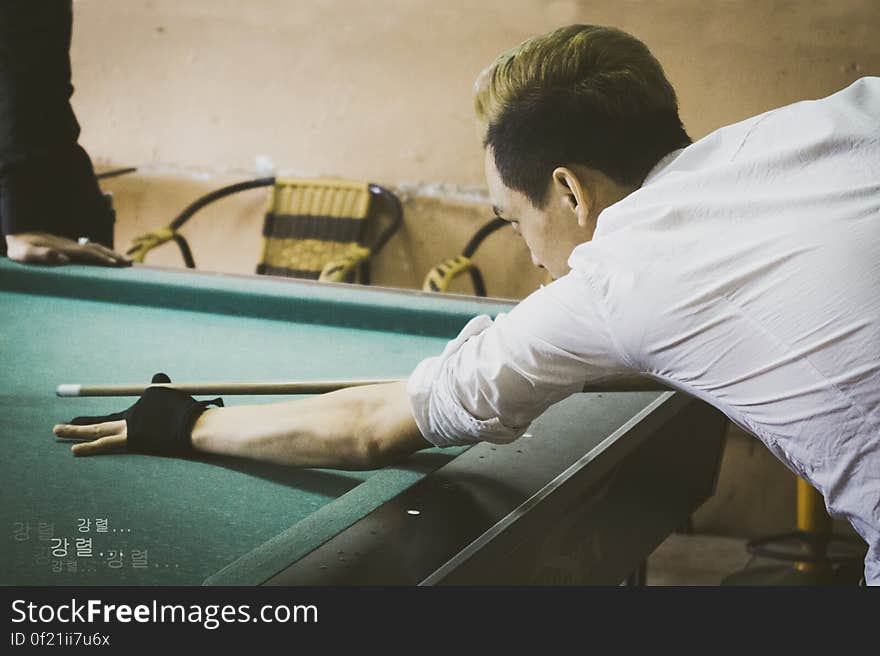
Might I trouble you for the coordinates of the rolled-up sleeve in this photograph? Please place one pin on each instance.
(496, 377)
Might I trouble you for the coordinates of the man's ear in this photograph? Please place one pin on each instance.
(574, 193)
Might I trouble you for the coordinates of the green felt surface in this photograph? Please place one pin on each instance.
(194, 518)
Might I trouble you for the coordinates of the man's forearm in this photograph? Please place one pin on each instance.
(354, 428)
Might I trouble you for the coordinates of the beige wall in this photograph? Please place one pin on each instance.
(380, 89)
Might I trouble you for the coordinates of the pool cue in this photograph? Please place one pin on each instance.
(218, 389)
(305, 387)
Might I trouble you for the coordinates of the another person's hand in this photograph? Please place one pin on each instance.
(160, 422)
(44, 248)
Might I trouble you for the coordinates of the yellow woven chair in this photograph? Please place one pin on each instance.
(315, 228)
(441, 276)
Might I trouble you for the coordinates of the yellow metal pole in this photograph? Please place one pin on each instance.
(813, 519)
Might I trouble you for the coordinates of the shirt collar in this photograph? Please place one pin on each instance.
(665, 161)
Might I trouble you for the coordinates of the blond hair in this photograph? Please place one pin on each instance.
(603, 58)
(581, 73)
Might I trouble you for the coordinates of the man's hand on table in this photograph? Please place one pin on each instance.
(160, 422)
(98, 439)
(45, 248)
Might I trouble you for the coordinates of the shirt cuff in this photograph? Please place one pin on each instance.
(441, 418)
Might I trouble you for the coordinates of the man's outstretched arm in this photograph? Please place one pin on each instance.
(355, 428)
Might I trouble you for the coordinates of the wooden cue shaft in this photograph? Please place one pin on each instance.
(307, 387)
(219, 389)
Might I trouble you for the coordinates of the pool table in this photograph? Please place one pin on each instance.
(596, 484)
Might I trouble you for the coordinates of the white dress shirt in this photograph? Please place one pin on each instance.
(745, 271)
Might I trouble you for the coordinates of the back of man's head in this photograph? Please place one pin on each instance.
(580, 94)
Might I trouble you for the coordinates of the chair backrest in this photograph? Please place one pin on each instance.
(310, 223)
(313, 227)
(441, 276)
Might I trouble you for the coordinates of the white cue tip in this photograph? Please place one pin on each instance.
(68, 390)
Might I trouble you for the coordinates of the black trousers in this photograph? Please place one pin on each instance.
(47, 182)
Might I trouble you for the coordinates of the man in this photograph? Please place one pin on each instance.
(741, 269)
(51, 209)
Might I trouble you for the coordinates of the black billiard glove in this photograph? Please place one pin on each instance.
(160, 422)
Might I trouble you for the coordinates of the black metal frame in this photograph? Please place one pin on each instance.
(804, 547)
(392, 201)
(471, 247)
(114, 173)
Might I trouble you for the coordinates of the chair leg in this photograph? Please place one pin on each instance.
(639, 576)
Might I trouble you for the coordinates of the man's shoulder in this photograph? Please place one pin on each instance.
(851, 111)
